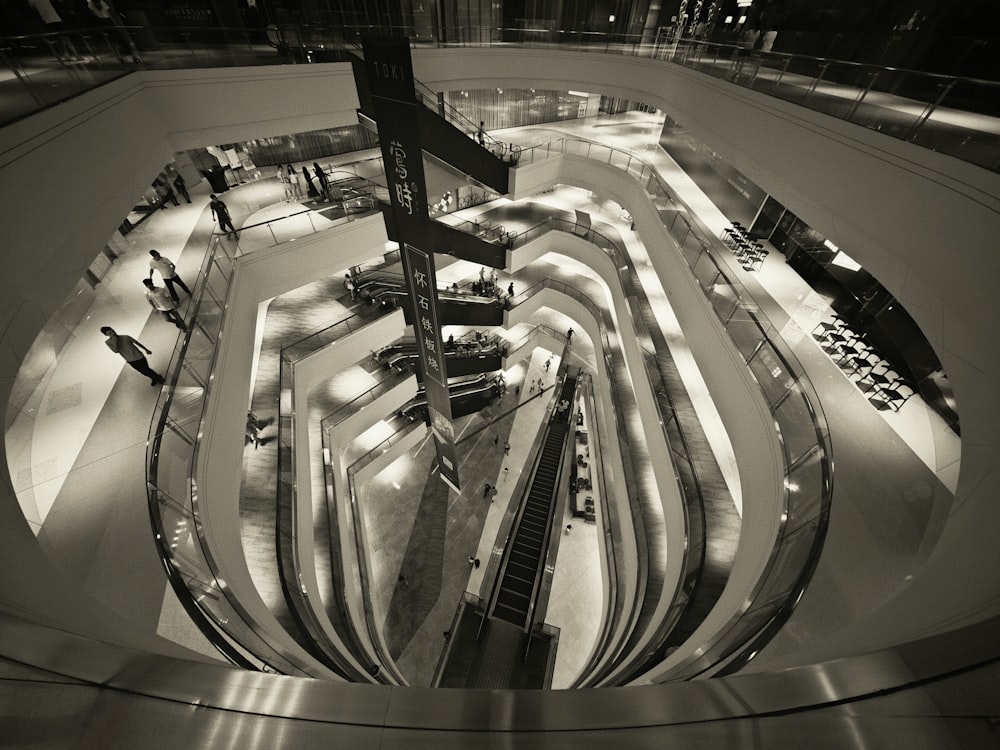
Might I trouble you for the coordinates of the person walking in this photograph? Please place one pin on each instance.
(168, 272)
(253, 429)
(221, 212)
(293, 181)
(181, 185)
(510, 289)
(322, 181)
(569, 336)
(128, 348)
(548, 364)
(310, 187)
(486, 489)
(160, 301)
(166, 193)
(506, 447)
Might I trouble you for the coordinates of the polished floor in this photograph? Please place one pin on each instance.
(85, 418)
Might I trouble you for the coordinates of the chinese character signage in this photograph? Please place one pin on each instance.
(390, 79)
(422, 284)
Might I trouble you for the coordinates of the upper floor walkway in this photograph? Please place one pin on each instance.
(953, 115)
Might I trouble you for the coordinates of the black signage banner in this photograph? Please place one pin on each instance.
(422, 285)
(390, 79)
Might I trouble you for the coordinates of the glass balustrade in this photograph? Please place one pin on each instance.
(790, 395)
(172, 449)
(953, 115)
(800, 425)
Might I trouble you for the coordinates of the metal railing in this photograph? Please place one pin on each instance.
(804, 458)
(288, 501)
(789, 393)
(922, 108)
(171, 456)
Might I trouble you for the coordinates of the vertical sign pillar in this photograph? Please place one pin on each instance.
(390, 80)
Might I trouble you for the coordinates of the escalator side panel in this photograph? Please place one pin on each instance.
(460, 150)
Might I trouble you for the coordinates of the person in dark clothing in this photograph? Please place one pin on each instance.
(221, 212)
(181, 186)
(310, 187)
(324, 184)
(165, 192)
(128, 348)
(481, 133)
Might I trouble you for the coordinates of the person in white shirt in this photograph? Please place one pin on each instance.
(160, 301)
(168, 273)
(128, 348)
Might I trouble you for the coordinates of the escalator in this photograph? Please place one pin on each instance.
(524, 557)
(445, 134)
(467, 397)
(454, 307)
(462, 357)
(475, 241)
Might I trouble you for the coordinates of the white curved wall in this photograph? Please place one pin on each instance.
(923, 223)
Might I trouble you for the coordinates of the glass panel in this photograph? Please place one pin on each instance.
(771, 373)
(880, 109)
(723, 298)
(704, 270)
(962, 124)
(805, 490)
(621, 159)
(744, 332)
(794, 553)
(798, 431)
(838, 90)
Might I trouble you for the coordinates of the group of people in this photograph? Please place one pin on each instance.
(317, 184)
(163, 300)
(538, 385)
(165, 184)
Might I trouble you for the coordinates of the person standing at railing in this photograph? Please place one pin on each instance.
(221, 212)
(324, 184)
(283, 179)
(311, 191)
(481, 134)
(128, 348)
(293, 181)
